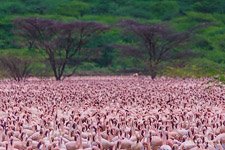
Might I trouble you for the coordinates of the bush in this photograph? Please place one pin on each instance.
(73, 8)
(88, 68)
(164, 9)
(216, 56)
(8, 7)
(196, 68)
(16, 67)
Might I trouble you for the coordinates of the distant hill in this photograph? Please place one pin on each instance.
(180, 14)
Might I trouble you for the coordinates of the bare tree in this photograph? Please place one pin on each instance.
(16, 67)
(156, 42)
(61, 42)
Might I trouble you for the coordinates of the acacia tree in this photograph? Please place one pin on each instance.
(156, 42)
(16, 67)
(61, 42)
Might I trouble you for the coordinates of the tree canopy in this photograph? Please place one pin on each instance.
(60, 41)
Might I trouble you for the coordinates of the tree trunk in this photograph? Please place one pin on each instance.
(58, 78)
(153, 74)
(153, 71)
(53, 66)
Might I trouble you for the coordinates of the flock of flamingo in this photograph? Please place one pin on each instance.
(112, 113)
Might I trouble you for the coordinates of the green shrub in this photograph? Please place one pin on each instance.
(196, 68)
(12, 7)
(73, 8)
